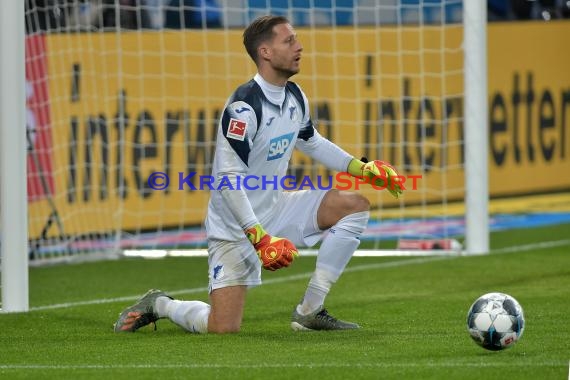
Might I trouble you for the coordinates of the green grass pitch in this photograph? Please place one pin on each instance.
(412, 312)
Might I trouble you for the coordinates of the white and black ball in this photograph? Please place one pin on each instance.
(495, 321)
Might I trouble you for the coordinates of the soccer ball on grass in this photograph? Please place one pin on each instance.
(495, 321)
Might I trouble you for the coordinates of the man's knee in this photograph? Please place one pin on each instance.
(226, 309)
(360, 203)
(350, 203)
(222, 326)
(337, 205)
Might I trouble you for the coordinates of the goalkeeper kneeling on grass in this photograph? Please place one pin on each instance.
(250, 229)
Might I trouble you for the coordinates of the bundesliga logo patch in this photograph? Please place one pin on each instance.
(236, 129)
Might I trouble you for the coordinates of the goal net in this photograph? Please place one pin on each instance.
(122, 91)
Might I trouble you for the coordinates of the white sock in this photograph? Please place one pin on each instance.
(335, 253)
(318, 288)
(190, 315)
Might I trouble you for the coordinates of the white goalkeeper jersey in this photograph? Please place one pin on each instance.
(259, 127)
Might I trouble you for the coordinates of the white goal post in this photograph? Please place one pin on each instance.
(13, 200)
(103, 105)
(476, 130)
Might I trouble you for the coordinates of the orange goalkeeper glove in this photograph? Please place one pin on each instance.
(274, 252)
(378, 173)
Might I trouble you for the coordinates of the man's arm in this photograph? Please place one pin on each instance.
(273, 252)
(378, 173)
(234, 143)
(321, 149)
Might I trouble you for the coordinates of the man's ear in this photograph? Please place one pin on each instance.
(264, 52)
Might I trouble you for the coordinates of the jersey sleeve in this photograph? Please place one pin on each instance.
(238, 126)
(324, 151)
(237, 129)
(313, 144)
(237, 202)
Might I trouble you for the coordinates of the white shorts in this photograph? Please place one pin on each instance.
(234, 263)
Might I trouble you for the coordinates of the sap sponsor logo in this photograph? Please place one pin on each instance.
(236, 129)
(279, 145)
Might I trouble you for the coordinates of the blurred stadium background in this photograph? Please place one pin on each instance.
(117, 90)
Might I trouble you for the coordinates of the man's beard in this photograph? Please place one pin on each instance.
(287, 72)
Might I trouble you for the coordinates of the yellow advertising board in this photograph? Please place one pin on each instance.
(529, 107)
(126, 106)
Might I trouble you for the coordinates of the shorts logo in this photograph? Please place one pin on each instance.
(218, 272)
(279, 145)
(236, 129)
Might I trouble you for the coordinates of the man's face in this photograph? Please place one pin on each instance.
(285, 50)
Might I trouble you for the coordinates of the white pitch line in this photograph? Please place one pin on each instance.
(306, 275)
(301, 276)
(281, 366)
(528, 247)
